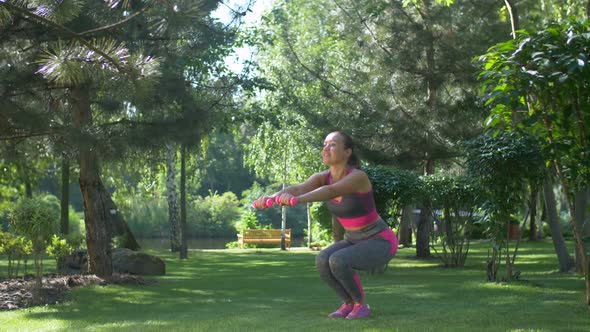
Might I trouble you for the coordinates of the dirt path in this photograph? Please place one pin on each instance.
(17, 293)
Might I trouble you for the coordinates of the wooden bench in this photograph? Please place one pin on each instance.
(263, 236)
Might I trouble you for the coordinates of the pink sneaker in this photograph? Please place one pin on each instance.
(343, 311)
(359, 311)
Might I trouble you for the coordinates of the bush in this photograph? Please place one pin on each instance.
(76, 236)
(214, 215)
(321, 219)
(393, 189)
(59, 249)
(210, 216)
(320, 236)
(37, 219)
(247, 220)
(454, 202)
(147, 217)
(16, 249)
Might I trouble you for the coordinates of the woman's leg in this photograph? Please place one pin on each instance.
(323, 266)
(363, 255)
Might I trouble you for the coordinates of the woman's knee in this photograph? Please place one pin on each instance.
(338, 264)
(322, 261)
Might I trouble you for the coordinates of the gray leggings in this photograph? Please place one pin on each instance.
(336, 263)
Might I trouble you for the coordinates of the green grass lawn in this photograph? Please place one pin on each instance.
(273, 290)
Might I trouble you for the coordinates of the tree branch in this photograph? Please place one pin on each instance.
(65, 30)
(117, 24)
(364, 23)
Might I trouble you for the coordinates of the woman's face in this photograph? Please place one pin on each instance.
(334, 151)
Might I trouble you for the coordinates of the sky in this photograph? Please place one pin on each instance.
(251, 18)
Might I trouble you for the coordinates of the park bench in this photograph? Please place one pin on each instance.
(263, 236)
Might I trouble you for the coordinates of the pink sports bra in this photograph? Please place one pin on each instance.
(353, 210)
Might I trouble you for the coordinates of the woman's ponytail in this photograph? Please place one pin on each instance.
(353, 160)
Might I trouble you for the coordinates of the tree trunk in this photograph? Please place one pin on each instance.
(580, 218)
(283, 227)
(533, 212)
(65, 196)
(183, 229)
(541, 204)
(172, 198)
(405, 227)
(28, 189)
(565, 260)
(337, 230)
(309, 235)
(513, 12)
(425, 220)
(284, 208)
(98, 235)
(508, 263)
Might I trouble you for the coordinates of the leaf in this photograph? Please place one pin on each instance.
(492, 120)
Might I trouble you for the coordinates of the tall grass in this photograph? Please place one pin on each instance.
(273, 290)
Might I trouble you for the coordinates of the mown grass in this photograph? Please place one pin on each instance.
(271, 290)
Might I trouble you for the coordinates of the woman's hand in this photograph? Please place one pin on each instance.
(286, 199)
(263, 202)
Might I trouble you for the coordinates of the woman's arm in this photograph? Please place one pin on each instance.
(315, 181)
(356, 181)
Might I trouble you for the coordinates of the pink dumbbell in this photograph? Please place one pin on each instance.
(268, 203)
(292, 201)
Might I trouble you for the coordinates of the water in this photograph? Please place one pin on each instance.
(199, 243)
(195, 243)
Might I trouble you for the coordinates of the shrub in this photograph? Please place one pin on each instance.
(320, 236)
(248, 220)
(59, 249)
(214, 215)
(37, 219)
(455, 201)
(147, 217)
(76, 236)
(502, 165)
(16, 249)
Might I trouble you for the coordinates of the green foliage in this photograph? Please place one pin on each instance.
(286, 152)
(448, 190)
(503, 165)
(393, 189)
(540, 83)
(59, 249)
(397, 77)
(247, 220)
(210, 216)
(455, 201)
(214, 215)
(321, 216)
(77, 229)
(321, 235)
(220, 166)
(16, 248)
(146, 216)
(35, 218)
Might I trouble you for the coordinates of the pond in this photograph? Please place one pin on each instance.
(200, 243)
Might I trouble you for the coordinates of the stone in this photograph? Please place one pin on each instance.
(138, 263)
(77, 260)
